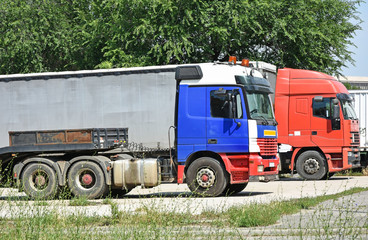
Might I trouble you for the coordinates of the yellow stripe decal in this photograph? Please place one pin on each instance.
(269, 132)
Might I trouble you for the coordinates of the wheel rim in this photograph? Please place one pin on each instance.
(311, 166)
(85, 179)
(206, 177)
(39, 180)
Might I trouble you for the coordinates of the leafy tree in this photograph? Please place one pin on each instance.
(312, 34)
(34, 36)
(52, 35)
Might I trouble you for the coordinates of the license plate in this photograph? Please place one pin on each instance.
(272, 164)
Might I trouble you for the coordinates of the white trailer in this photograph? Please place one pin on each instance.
(360, 107)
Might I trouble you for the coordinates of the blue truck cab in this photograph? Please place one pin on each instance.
(226, 132)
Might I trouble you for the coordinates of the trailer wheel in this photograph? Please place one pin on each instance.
(206, 176)
(232, 189)
(311, 165)
(39, 181)
(86, 179)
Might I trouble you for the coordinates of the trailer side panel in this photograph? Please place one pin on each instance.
(360, 107)
(143, 101)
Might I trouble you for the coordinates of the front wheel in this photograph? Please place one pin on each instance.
(311, 165)
(39, 181)
(206, 176)
(86, 179)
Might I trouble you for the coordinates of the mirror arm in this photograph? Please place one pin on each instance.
(237, 123)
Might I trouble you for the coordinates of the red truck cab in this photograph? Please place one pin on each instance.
(318, 131)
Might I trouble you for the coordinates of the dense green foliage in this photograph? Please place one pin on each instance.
(54, 35)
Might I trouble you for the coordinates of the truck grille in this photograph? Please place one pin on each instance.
(268, 146)
(355, 138)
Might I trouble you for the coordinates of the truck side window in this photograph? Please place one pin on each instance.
(322, 109)
(220, 105)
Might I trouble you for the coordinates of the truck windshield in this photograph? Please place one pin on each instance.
(348, 109)
(257, 91)
(259, 105)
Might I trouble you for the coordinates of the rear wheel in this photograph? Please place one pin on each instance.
(206, 176)
(39, 181)
(311, 165)
(86, 179)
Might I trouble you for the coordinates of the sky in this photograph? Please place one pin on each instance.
(361, 51)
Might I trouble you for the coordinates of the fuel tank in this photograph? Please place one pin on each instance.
(129, 173)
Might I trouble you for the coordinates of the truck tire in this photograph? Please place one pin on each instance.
(232, 189)
(311, 165)
(207, 177)
(86, 179)
(39, 181)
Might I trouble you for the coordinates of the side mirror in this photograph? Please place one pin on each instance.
(335, 121)
(234, 107)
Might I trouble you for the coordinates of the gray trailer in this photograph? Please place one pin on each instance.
(141, 98)
(361, 108)
(35, 106)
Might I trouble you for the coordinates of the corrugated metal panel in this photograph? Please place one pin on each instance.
(142, 101)
(360, 106)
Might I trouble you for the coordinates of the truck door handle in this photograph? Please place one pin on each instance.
(314, 132)
(212, 141)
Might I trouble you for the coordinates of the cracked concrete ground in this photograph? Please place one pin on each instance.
(344, 218)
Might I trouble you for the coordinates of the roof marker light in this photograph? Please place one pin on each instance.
(245, 62)
(232, 59)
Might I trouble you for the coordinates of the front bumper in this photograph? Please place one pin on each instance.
(264, 178)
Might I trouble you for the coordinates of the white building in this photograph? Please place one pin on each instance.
(361, 82)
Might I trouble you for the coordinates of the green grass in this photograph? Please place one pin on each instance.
(267, 214)
(41, 203)
(349, 173)
(354, 172)
(148, 222)
(81, 201)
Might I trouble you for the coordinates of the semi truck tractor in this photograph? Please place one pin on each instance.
(318, 127)
(208, 125)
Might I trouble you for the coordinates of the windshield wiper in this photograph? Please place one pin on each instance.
(265, 122)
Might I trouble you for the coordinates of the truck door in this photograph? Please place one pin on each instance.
(227, 125)
(321, 127)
